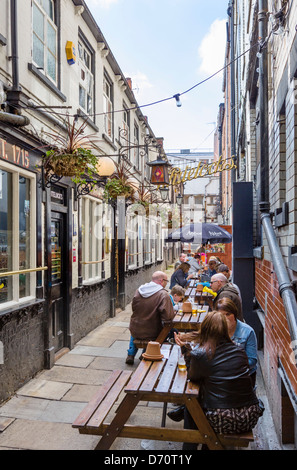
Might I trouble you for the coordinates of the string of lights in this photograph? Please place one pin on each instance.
(176, 96)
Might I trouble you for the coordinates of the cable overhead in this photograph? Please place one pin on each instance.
(174, 97)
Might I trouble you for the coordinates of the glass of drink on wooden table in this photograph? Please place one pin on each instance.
(181, 363)
(194, 309)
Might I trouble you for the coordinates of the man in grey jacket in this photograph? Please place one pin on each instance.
(219, 284)
(151, 307)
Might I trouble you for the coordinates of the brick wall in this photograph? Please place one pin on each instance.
(277, 341)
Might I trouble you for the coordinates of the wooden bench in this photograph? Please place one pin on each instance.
(159, 381)
(90, 420)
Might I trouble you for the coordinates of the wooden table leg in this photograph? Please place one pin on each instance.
(164, 333)
(211, 439)
(123, 413)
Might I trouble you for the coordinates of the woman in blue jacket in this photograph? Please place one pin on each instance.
(241, 333)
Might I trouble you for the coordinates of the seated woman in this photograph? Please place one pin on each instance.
(221, 369)
(180, 276)
(241, 333)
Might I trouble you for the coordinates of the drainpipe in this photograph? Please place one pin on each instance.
(14, 93)
(285, 287)
(14, 45)
(14, 119)
(232, 97)
(263, 105)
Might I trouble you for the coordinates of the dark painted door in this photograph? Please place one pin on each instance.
(58, 253)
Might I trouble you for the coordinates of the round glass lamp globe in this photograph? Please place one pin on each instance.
(105, 166)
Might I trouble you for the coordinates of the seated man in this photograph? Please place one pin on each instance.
(223, 268)
(219, 284)
(151, 307)
(182, 259)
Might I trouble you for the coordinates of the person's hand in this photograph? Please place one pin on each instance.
(177, 340)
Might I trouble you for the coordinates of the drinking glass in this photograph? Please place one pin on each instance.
(181, 363)
(194, 309)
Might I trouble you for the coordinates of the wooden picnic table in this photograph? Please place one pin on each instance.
(183, 322)
(155, 381)
(200, 297)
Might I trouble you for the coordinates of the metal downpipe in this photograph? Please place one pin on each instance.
(14, 119)
(285, 287)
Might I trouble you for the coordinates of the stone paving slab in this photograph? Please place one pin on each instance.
(81, 393)
(24, 407)
(117, 349)
(75, 375)
(112, 363)
(41, 409)
(41, 435)
(5, 422)
(75, 360)
(45, 389)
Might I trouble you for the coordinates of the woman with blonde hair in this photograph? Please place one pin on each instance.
(221, 369)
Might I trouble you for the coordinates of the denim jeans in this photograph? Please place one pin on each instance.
(132, 348)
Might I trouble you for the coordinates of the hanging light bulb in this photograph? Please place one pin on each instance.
(178, 101)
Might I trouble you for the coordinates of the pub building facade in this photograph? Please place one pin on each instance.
(61, 240)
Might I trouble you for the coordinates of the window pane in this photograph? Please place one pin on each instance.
(51, 66)
(5, 235)
(82, 97)
(49, 8)
(56, 250)
(38, 52)
(38, 22)
(24, 235)
(51, 38)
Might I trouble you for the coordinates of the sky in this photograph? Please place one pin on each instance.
(167, 47)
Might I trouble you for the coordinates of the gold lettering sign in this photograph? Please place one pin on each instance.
(14, 154)
(178, 176)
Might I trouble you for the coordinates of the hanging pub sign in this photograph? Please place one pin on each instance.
(178, 176)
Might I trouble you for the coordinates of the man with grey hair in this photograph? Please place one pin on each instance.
(219, 284)
(151, 307)
(181, 259)
(223, 268)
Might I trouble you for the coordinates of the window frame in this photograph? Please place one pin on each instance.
(16, 300)
(136, 146)
(92, 273)
(108, 119)
(46, 19)
(88, 69)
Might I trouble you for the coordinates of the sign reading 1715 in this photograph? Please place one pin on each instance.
(14, 154)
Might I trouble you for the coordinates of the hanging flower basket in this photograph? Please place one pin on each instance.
(71, 155)
(120, 184)
(75, 165)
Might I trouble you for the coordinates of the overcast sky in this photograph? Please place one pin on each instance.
(166, 47)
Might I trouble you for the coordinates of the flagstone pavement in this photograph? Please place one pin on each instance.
(40, 414)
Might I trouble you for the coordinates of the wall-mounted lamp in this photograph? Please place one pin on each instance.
(159, 173)
(164, 191)
(105, 166)
(179, 199)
